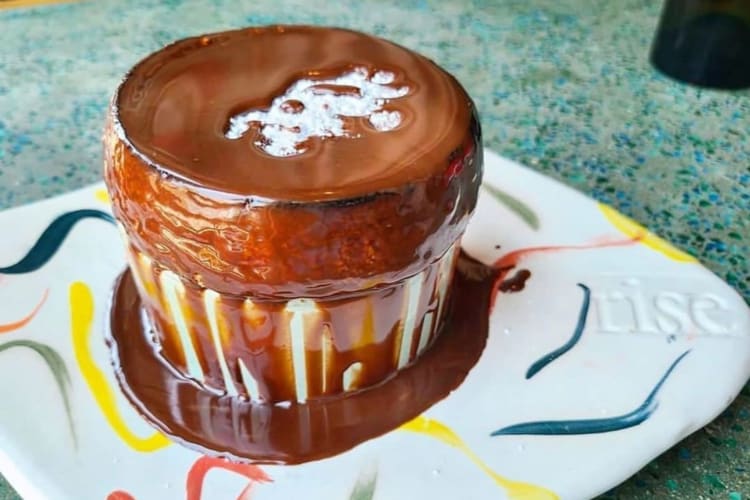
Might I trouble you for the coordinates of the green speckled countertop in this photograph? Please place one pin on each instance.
(563, 86)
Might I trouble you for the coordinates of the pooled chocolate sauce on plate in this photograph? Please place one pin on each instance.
(291, 432)
(517, 282)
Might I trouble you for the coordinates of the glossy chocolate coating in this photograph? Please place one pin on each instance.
(282, 350)
(295, 433)
(347, 214)
(279, 186)
(175, 106)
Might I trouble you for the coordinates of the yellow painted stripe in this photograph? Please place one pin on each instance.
(81, 319)
(101, 193)
(516, 490)
(8, 4)
(632, 229)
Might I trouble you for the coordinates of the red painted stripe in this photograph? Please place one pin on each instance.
(200, 468)
(9, 327)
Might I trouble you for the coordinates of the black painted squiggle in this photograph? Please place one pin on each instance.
(51, 239)
(539, 364)
(593, 425)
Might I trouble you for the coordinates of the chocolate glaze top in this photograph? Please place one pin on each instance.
(205, 110)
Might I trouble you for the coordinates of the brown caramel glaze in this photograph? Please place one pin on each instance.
(282, 251)
(297, 433)
(175, 107)
(349, 214)
(363, 329)
(517, 282)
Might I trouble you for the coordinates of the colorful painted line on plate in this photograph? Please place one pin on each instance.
(515, 490)
(545, 360)
(81, 318)
(629, 227)
(364, 489)
(593, 425)
(102, 195)
(51, 239)
(509, 261)
(200, 468)
(16, 325)
(59, 371)
(120, 495)
(515, 205)
(197, 474)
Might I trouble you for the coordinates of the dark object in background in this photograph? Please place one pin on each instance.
(704, 42)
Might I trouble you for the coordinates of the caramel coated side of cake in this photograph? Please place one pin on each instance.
(291, 222)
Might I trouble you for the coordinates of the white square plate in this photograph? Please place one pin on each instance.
(661, 334)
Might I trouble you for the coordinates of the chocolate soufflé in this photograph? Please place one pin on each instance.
(292, 200)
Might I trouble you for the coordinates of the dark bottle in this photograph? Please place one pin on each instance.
(704, 42)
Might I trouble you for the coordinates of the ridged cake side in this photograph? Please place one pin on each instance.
(292, 349)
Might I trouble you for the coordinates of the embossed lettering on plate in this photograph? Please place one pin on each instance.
(644, 305)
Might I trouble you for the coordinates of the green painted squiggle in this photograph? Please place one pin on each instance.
(59, 371)
(364, 489)
(518, 207)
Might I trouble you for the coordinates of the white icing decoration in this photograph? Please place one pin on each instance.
(284, 129)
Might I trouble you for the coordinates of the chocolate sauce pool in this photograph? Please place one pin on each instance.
(292, 433)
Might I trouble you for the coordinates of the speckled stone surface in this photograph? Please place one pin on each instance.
(563, 86)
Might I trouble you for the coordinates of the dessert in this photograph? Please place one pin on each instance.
(292, 199)
(292, 433)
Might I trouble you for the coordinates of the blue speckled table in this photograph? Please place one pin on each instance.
(563, 86)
